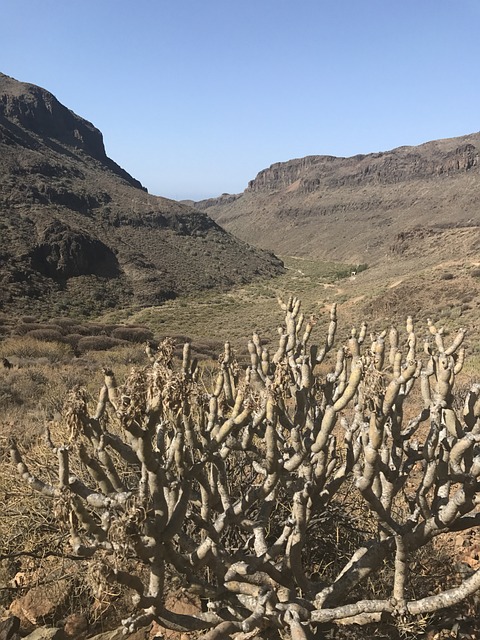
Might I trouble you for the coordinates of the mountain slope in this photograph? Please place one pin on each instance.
(408, 204)
(77, 232)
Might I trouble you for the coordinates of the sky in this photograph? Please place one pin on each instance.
(195, 97)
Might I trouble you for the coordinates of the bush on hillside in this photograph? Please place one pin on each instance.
(304, 491)
(98, 343)
(133, 334)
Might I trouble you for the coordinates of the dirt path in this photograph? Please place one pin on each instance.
(395, 284)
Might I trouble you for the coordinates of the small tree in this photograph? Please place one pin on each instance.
(226, 487)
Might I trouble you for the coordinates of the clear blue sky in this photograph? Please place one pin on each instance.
(194, 97)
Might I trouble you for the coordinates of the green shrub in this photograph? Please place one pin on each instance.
(26, 327)
(132, 334)
(73, 338)
(98, 343)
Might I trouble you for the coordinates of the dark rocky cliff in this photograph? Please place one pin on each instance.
(403, 164)
(26, 109)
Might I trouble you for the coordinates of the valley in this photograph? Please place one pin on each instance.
(115, 307)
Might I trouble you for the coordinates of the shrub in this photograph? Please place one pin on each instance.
(121, 357)
(35, 387)
(64, 323)
(98, 343)
(82, 329)
(47, 335)
(96, 329)
(5, 319)
(207, 349)
(92, 329)
(132, 334)
(27, 347)
(26, 327)
(234, 491)
(73, 339)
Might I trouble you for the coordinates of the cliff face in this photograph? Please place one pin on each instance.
(26, 109)
(401, 165)
(363, 208)
(283, 174)
(75, 224)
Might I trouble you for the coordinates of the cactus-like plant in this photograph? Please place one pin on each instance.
(225, 485)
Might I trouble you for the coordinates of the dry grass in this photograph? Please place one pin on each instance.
(31, 348)
(380, 295)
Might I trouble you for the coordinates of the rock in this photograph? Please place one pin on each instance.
(117, 634)
(40, 603)
(9, 628)
(46, 633)
(180, 602)
(64, 253)
(17, 610)
(75, 625)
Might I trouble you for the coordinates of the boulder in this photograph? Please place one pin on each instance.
(41, 603)
(9, 628)
(118, 634)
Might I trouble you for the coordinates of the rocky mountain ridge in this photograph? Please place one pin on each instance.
(361, 208)
(405, 163)
(28, 111)
(78, 232)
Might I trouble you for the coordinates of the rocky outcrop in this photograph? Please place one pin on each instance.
(225, 198)
(283, 174)
(64, 253)
(399, 165)
(27, 109)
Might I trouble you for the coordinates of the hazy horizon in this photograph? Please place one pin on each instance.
(194, 99)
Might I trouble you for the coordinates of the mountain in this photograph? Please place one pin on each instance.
(78, 233)
(410, 204)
